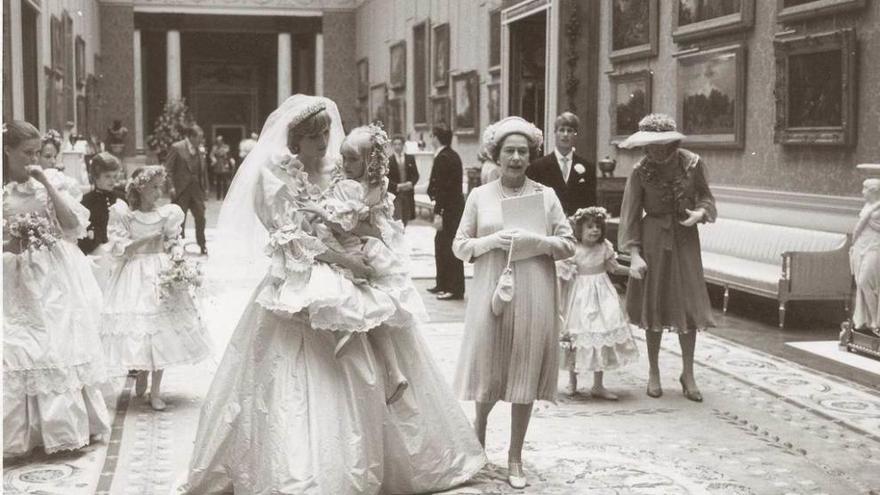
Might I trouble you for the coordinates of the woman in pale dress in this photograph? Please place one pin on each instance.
(52, 358)
(285, 414)
(512, 357)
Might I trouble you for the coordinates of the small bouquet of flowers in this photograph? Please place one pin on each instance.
(182, 274)
(33, 232)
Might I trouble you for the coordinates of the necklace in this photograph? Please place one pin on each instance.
(517, 191)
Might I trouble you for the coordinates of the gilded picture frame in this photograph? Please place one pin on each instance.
(816, 89)
(440, 55)
(397, 77)
(630, 101)
(466, 103)
(692, 20)
(634, 30)
(798, 10)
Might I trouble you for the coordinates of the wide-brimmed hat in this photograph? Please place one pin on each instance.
(656, 128)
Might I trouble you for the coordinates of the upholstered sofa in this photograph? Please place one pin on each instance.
(784, 263)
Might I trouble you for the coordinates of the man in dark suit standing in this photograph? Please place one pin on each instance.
(444, 188)
(570, 175)
(189, 180)
(402, 177)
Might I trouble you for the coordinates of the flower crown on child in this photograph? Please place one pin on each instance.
(148, 174)
(52, 136)
(593, 212)
(377, 163)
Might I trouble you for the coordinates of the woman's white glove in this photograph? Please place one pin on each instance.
(499, 240)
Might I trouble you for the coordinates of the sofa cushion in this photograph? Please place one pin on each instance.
(763, 243)
(733, 270)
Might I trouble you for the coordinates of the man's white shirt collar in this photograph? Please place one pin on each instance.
(569, 156)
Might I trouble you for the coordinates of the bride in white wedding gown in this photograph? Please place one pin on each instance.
(284, 415)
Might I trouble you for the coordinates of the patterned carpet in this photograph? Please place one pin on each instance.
(767, 426)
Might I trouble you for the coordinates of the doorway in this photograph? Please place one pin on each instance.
(232, 135)
(528, 68)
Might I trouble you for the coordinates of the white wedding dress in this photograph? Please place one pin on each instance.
(284, 415)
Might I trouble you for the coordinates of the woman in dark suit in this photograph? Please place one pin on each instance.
(402, 178)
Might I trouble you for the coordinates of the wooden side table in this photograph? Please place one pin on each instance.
(609, 193)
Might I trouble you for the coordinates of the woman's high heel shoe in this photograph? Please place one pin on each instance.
(654, 392)
(515, 475)
(693, 395)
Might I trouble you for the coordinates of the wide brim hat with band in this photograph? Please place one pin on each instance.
(656, 128)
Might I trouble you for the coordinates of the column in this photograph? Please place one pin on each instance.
(173, 83)
(15, 55)
(319, 64)
(138, 93)
(285, 69)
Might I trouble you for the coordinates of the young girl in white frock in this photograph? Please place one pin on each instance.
(596, 335)
(359, 211)
(52, 357)
(147, 327)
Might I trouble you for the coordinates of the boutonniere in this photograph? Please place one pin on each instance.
(579, 168)
(582, 180)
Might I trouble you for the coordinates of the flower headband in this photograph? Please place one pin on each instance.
(377, 163)
(52, 136)
(310, 110)
(148, 174)
(596, 212)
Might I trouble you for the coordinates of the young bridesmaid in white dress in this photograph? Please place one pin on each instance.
(596, 334)
(145, 327)
(52, 357)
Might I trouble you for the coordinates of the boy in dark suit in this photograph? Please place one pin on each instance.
(570, 175)
(444, 188)
(402, 177)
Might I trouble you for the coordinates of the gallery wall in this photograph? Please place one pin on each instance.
(759, 162)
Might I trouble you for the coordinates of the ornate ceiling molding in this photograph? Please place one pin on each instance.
(243, 7)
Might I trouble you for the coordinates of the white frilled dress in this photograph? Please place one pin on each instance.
(52, 356)
(348, 203)
(513, 357)
(593, 319)
(286, 415)
(141, 330)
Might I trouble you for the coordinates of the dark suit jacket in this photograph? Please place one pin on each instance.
(186, 169)
(578, 192)
(412, 172)
(98, 203)
(444, 187)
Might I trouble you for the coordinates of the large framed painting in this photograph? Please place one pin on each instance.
(797, 10)
(630, 101)
(398, 65)
(80, 59)
(440, 56)
(363, 68)
(421, 73)
(695, 19)
(494, 103)
(57, 40)
(396, 116)
(633, 29)
(440, 111)
(816, 89)
(378, 103)
(466, 99)
(711, 97)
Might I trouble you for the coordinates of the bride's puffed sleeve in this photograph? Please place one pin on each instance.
(559, 244)
(292, 244)
(467, 246)
(119, 228)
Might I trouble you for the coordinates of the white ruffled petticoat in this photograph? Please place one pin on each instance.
(601, 337)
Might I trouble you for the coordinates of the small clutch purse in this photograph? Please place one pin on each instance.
(504, 290)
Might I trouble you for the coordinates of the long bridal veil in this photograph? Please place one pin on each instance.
(239, 230)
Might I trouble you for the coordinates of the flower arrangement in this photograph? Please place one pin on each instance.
(169, 127)
(181, 274)
(33, 231)
(590, 212)
(377, 163)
